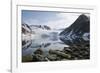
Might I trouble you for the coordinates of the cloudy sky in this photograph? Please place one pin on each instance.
(52, 19)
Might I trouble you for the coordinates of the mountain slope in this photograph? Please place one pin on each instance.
(25, 29)
(78, 32)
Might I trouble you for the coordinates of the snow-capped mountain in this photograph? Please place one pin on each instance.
(78, 32)
(26, 29)
(44, 27)
(26, 32)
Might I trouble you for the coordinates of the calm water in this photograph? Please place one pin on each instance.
(44, 39)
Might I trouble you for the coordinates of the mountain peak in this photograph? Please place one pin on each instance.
(74, 33)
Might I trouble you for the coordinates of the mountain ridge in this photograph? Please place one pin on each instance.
(74, 33)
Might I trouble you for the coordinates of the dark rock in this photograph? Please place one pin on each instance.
(38, 57)
(78, 52)
(52, 57)
(67, 50)
(59, 53)
(38, 51)
(75, 52)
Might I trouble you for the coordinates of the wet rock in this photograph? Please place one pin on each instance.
(59, 53)
(78, 52)
(38, 51)
(52, 57)
(38, 57)
(67, 50)
(74, 52)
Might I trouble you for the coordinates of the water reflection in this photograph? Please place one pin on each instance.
(26, 44)
(48, 41)
(44, 41)
(72, 41)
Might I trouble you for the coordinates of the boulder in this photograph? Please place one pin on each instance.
(39, 51)
(59, 53)
(38, 57)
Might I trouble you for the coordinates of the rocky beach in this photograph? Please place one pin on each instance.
(75, 52)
